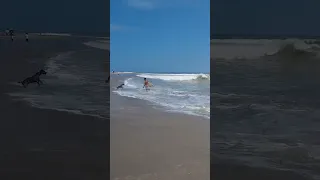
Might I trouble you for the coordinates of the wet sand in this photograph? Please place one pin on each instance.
(149, 144)
(45, 144)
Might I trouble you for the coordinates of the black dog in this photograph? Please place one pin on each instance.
(33, 79)
(120, 86)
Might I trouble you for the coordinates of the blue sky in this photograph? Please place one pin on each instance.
(160, 35)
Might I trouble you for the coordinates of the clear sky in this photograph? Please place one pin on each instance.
(160, 35)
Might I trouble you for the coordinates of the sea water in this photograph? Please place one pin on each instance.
(176, 92)
(266, 103)
(75, 81)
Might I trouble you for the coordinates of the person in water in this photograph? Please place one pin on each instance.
(146, 84)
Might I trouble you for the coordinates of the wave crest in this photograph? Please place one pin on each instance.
(297, 50)
(100, 44)
(255, 49)
(177, 77)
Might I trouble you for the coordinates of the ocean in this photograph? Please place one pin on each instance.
(266, 103)
(75, 81)
(172, 92)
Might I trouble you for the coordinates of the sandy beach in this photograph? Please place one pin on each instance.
(39, 143)
(148, 143)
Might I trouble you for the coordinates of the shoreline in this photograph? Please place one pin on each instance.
(42, 143)
(74, 112)
(154, 107)
(149, 104)
(148, 143)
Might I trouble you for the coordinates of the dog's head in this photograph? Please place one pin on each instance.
(42, 71)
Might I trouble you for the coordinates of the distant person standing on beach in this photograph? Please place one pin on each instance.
(11, 34)
(27, 37)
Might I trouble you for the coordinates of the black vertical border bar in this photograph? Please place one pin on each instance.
(50, 161)
(240, 172)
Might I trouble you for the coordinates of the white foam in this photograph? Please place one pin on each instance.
(254, 48)
(122, 72)
(128, 84)
(55, 34)
(100, 44)
(169, 96)
(175, 77)
(52, 64)
(56, 69)
(181, 107)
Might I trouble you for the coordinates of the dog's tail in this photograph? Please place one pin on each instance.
(20, 82)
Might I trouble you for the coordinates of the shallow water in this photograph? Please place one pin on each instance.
(184, 93)
(75, 82)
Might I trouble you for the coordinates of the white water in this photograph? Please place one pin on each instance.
(255, 48)
(100, 44)
(185, 93)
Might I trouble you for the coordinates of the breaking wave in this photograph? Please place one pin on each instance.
(292, 50)
(255, 49)
(100, 44)
(176, 77)
(171, 92)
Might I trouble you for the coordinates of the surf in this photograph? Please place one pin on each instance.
(73, 84)
(171, 92)
(235, 49)
(99, 44)
(175, 77)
